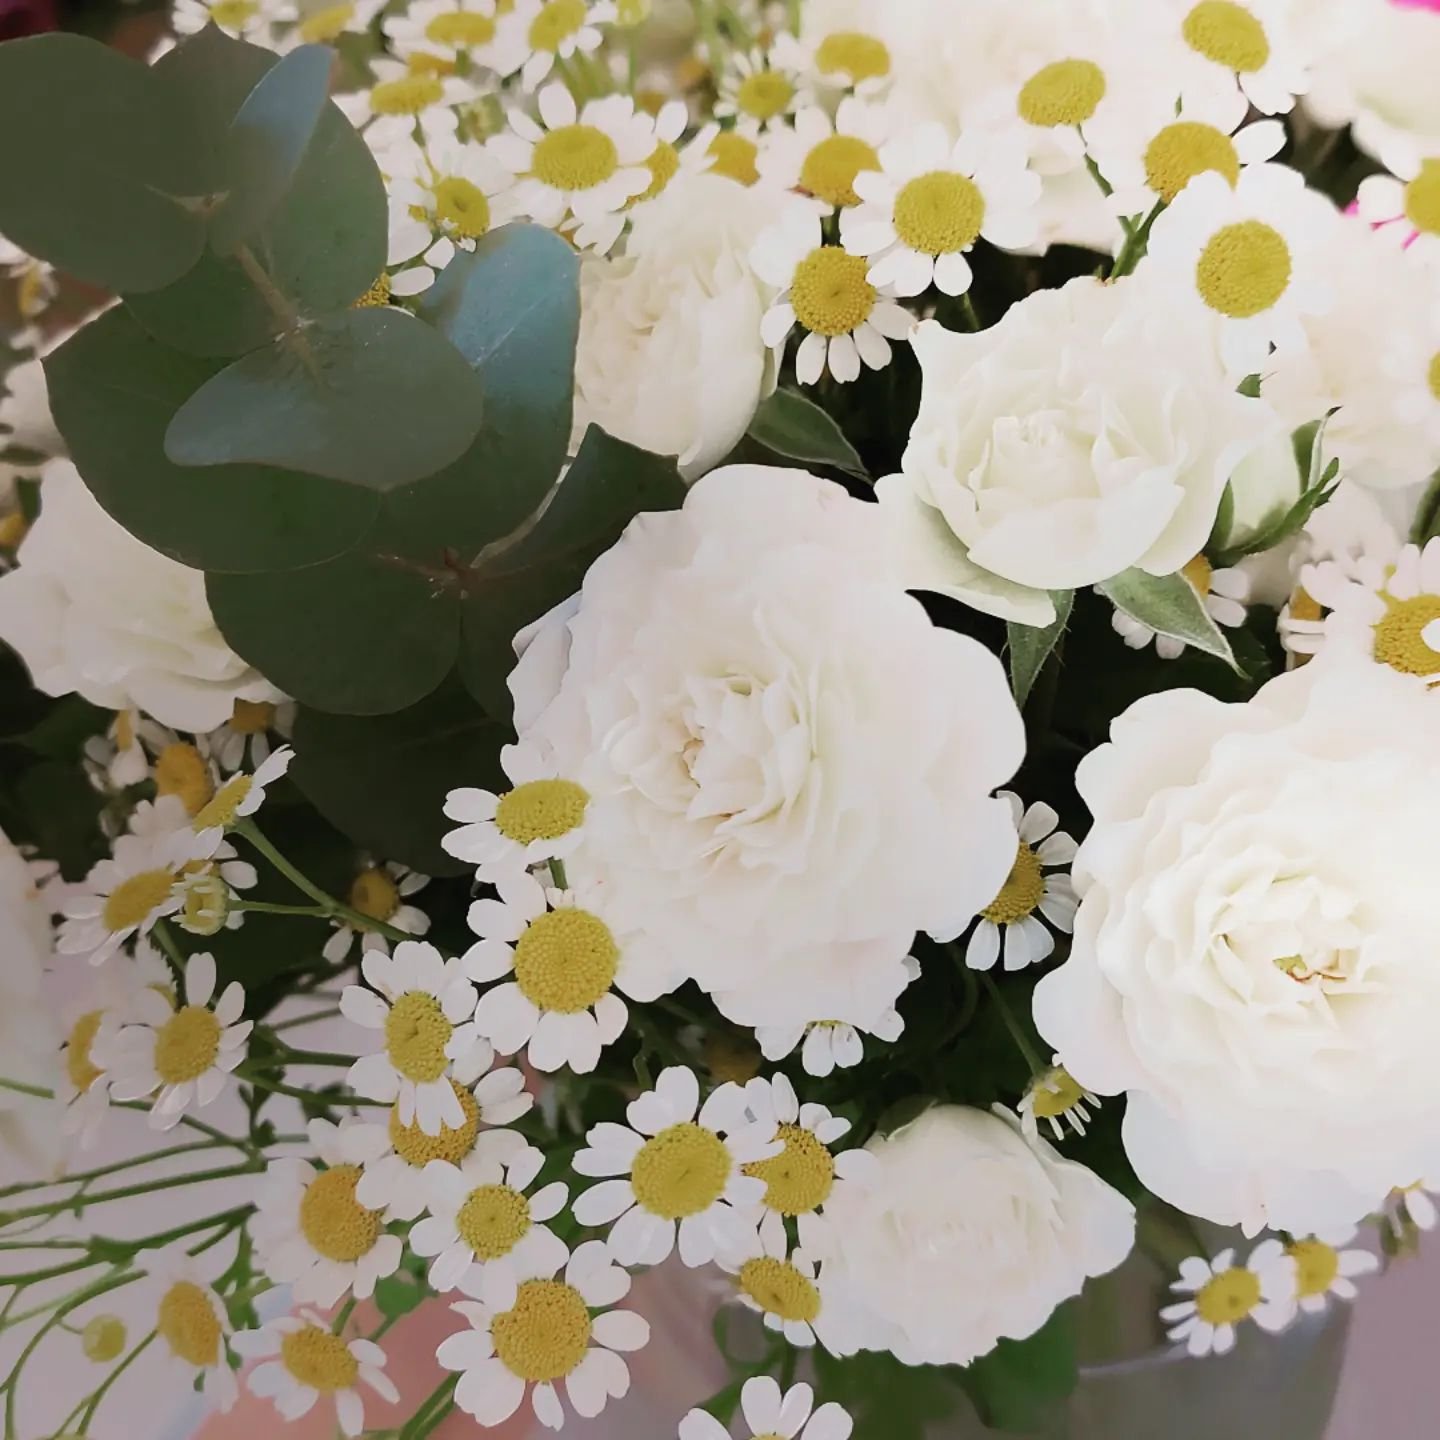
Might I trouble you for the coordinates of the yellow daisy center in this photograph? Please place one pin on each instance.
(416, 1034)
(731, 1057)
(779, 1289)
(566, 960)
(1022, 891)
(221, 811)
(545, 1334)
(1422, 198)
(493, 1220)
(1244, 269)
(408, 95)
(1181, 151)
(540, 810)
(1055, 1095)
(575, 157)
(82, 1071)
(131, 902)
(1400, 636)
(334, 1223)
(180, 770)
(1065, 92)
(663, 163)
(681, 1171)
(252, 717)
(33, 291)
(452, 1144)
(1228, 1297)
(1228, 34)
(830, 293)
(375, 894)
(187, 1323)
(124, 729)
(186, 1044)
(1433, 375)
(831, 166)
(13, 529)
(1198, 571)
(103, 1338)
(939, 213)
(206, 904)
(319, 1359)
(326, 24)
(764, 95)
(233, 14)
(1304, 606)
(799, 1179)
(377, 294)
(857, 56)
(423, 63)
(557, 22)
(735, 157)
(1316, 1266)
(461, 29)
(461, 205)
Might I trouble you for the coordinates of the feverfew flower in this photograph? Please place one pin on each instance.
(786, 1290)
(325, 24)
(449, 29)
(1325, 1267)
(1251, 40)
(379, 893)
(544, 31)
(240, 796)
(252, 20)
(303, 1360)
(1055, 1097)
(403, 103)
(769, 1412)
(447, 188)
(842, 45)
(757, 92)
(533, 1329)
(422, 1004)
(930, 200)
(245, 737)
(192, 1323)
(822, 158)
(1413, 198)
(681, 1171)
(1262, 1290)
(1223, 593)
(185, 1051)
(828, 1045)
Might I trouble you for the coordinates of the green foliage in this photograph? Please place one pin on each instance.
(1427, 515)
(1014, 1386)
(887, 1400)
(798, 429)
(1169, 605)
(1030, 646)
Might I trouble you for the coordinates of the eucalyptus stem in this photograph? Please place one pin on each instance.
(1022, 1044)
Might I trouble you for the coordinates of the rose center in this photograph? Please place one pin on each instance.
(493, 1220)
(764, 95)
(1408, 637)
(326, 24)
(830, 293)
(188, 1325)
(1066, 92)
(1229, 1297)
(735, 158)
(1422, 198)
(575, 157)
(416, 1034)
(81, 1069)
(452, 1144)
(681, 1171)
(857, 56)
(831, 166)
(186, 1044)
(780, 1289)
(333, 1221)
(541, 810)
(461, 205)
(566, 960)
(799, 1179)
(132, 900)
(1181, 151)
(1316, 1266)
(181, 770)
(408, 95)
(1022, 891)
(221, 812)
(461, 29)
(939, 213)
(544, 1335)
(319, 1359)
(1244, 269)
(1228, 34)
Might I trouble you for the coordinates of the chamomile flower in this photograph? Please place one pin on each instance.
(449, 188)
(1325, 1267)
(785, 1289)
(540, 818)
(1149, 150)
(450, 29)
(1253, 254)
(825, 291)
(839, 51)
(769, 1412)
(565, 954)
(1252, 40)
(193, 1327)
(681, 1171)
(1058, 1099)
(394, 1155)
(1223, 593)
(252, 20)
(1010, 921)
(185, 771)
(379, 893)
(823, 158)
(577, 170)
(415, 273)
(757, 91)
(303, 1361)
(324, 24)
(241, 795)
(1413, 1203)
(185, 1052)
(929, 202)
(547, 31)
(422, 1004)
(403, 102)
(310, 1229)
(1225, 1293)
(1406, 205)
(480, 1215)
(245, 737)
(669, 158)
(1054, 105)
(117, 759)
(534, 1330)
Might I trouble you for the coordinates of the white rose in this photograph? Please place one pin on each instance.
(670, 356)
(1254, 959)
(1090, 431)
(968, 1233)
(790, 768)
(91, 609)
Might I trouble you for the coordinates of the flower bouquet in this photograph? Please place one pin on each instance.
(790, 640)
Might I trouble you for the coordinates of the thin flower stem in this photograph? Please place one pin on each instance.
(967, 312)
(426, 1418)
(316, 1057)
(103, 1388)
(1106, 189)
(1133, 250)
(276, 1087)
(265, 907)
(101, 1171)
(1026, 1049)
(125, 1192)
(314, 1017)
(342, 1316)
(173, 952)
(38, 1091)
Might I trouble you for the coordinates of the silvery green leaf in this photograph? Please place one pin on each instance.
(1168, 605)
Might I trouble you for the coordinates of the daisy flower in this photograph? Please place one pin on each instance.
(206, 886)
(1056, 103)
(668, 159)
(577, 171)
(245, 737)
(241, 795)
(325, 24)
(545, 31)
(302, 1360)
(119, 754)
(310, 1229)
(185, 772)
(192, 1323)
(757, 91)
(823, 158)
(450, 29)
(771, 1413)
(1224, 1294)
(735, 154)
(1412, 198)
(402, 101)
(929, 202)
(564, 956)
(1224, 594)
(379, 893)
(1252, 254)
(531, 1329)
(1057, 1098)
(421, 1004)
(447, 188)
(786, 1291)
(252, 20)
(1323, 1267)
(838, 51)
(680, 1171)
(540, 818)
(825, 291)
(185, 1052)
(1010, 921)
(1149, 151)
(1253, 41)
(480, 1214)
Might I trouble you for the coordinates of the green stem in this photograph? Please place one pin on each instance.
(425, 1419)
(1133, 250)
(101, 1171)
(557, 874)
(110, 1379)
(265, 907)
(967, 312)
(191, 1123)
(38, 1091)
(342, 1316)
(173, 952)
(312, 1018)
(1026, 1049)
(275, 1087)
(316, 1057)
(1106, 189)
(125, 1192)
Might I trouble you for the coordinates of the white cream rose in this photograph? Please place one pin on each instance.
(968, 1232)
(91, 609)
(1254, 959)
(789, 767)
(1090, 431)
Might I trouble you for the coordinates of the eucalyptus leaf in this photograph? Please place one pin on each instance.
(1015, 1384)
(1427, 514)
(373, 397)
(1030, 646)
(799, 429)
(1169, 605)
